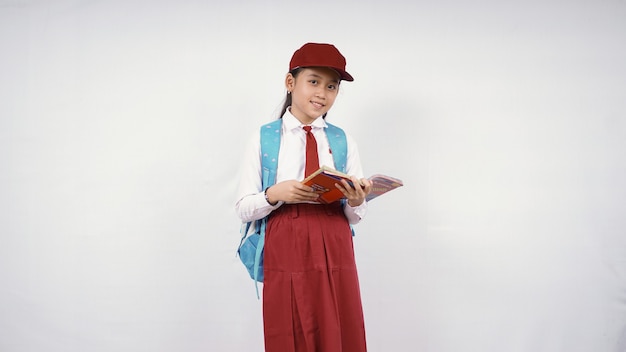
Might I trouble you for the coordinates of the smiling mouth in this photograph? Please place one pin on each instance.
(317, 105)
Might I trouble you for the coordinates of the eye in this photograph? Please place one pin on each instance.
(313, 81)
(332, 87)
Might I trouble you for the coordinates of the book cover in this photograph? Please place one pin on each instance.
(323, 182)
(382, 184)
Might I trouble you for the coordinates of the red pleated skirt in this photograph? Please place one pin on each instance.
(311, 297)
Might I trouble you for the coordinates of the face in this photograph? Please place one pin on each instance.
(313, 92)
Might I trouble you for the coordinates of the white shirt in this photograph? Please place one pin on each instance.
(251, 204)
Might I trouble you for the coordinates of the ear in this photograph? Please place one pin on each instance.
(290, 82)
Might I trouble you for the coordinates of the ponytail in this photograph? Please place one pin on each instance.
(286, 104)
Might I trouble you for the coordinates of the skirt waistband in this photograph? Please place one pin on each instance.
(300, 209)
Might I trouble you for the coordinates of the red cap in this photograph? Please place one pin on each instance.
(320, 55)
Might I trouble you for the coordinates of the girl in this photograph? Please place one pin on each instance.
(311, 298)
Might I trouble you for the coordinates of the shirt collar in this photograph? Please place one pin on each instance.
(291, 122)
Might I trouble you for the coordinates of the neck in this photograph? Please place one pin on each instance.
(305, 120)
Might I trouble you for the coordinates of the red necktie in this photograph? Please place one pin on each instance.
(312, 160)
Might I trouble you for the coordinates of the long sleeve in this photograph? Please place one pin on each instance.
(251, 204)
(353, 167)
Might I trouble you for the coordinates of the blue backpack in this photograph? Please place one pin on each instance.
(251, 246)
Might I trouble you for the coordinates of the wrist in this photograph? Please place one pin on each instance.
(350, 203)
(267, 198)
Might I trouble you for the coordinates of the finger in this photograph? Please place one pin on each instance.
(345, 188)
(365, 187)
(306, 194)
(302, 187)
(309, 195)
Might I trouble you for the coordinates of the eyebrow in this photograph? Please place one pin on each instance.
(318, 76)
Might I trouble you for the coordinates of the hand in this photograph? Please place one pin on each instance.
(355, 195)
(291, 191)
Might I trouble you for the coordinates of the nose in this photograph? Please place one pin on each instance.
(320, 92)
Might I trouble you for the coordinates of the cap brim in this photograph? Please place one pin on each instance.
(345, 76)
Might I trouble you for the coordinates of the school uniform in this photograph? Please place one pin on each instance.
(311, 297)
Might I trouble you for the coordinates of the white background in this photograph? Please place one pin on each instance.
(122, 124)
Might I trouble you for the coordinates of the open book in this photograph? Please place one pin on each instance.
(323, 182)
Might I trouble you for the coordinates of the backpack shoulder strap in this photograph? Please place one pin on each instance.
(338, 146)
(270, 145)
